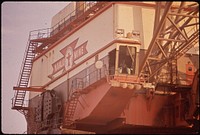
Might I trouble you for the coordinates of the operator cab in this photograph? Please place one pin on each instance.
(123, 60)
(126, 60)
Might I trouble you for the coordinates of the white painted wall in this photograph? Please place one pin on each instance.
(136, 18)
(148, 25)
(98, 33)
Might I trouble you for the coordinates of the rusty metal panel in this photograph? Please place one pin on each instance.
(38, 110)
(47, 105)
(44, 112)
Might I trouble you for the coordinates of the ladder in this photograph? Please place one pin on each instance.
(19, 97)
(173, 72)
(34, 42)
(70, 109)
(66, 25)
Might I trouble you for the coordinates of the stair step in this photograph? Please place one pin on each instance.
(27, 70)
(21, 79)
(31, 47)
(25, 75)
(21, 91)
(30, 53)
(23, 83)
(28, 65)
(18, 101)
(23, 86)
(18, 106)
(24, 78)
(29, 57)
(20, 95)
(19, 98)
(30, 50)
(28, 60)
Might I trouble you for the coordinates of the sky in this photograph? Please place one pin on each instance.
(17, 20)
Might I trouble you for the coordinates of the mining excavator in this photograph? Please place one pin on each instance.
(82, 79)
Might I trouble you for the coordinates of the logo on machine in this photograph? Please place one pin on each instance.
(70, 54)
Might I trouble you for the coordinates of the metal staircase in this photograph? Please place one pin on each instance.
(70, 109)
(71, 104)
(38, 40)
(66, 25)
(18, 102)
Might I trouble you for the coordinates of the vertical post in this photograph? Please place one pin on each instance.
(68, 92)
(136, 68)
(117, 59)
(157, 16)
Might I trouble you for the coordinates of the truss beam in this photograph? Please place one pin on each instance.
(176, 33)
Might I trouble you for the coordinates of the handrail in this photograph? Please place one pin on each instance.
(22, 64)
(24, 105)
(92, 77)
(182, 78)
(98, 74)
(49, 32)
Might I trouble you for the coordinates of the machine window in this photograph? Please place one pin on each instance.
(126, 63)
(112, 57)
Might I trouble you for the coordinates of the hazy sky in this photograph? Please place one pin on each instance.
(17, 20)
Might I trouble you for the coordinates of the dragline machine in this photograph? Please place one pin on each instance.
(113, 67)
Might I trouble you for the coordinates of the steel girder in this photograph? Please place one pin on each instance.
(176, 31)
